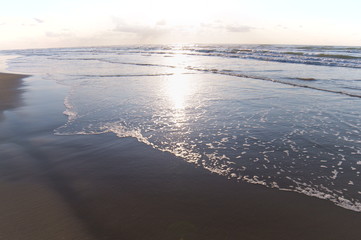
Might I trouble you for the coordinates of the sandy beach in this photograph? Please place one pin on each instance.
(105, 187)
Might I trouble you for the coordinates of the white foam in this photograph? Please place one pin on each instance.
(121, 131)
(69, 111)
(338, 200)
(254, 180)
(233, 175)
(335, 172)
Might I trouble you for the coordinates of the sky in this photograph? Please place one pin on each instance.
(74, 23)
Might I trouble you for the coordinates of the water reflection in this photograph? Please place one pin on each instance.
(178, 110)
(179, 88)
(178, 91)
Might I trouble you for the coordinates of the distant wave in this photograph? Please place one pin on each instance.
(128, 75)
(304, 79)
(295, 53)
(323, 55)
(327, 48)
(349, 57)
(231, 73)
(337, 56)
(310, 55)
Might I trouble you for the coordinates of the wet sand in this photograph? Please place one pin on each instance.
(105, 187)
(10, 94)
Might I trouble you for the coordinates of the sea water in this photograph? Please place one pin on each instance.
(286, 117)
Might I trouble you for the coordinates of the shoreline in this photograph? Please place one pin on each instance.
(105, 187)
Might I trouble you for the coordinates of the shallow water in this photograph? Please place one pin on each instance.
(285, 117)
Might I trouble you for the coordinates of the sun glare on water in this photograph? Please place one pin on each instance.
(178, 87)
(178, 91)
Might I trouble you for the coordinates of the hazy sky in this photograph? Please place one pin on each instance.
(47, 23)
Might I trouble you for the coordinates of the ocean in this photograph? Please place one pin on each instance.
(286, 117)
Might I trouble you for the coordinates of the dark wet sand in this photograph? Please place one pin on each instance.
(10, 94)
(104, 187)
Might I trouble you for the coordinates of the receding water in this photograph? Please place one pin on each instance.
(286, 117)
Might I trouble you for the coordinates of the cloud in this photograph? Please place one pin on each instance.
(162, 22)
(38, 20)
(144, 31)
(234, 28)
(60, 34)
(280, 26)
(238, 28)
